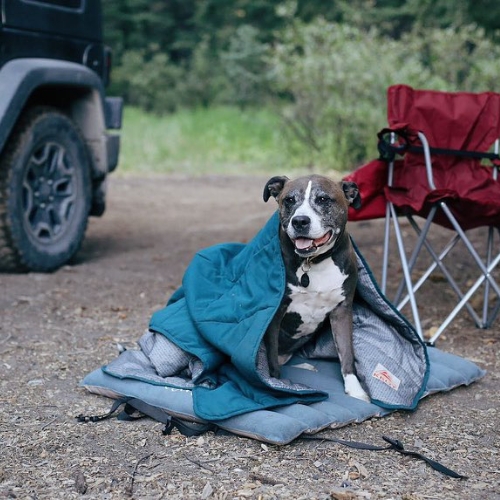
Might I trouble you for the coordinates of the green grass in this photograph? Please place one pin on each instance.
(219, 140)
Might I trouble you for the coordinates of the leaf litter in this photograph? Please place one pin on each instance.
(56, 328)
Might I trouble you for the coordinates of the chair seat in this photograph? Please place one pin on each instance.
(475, 203)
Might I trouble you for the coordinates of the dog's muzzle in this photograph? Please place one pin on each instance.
(303, 242)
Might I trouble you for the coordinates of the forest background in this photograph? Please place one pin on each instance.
(284, 84)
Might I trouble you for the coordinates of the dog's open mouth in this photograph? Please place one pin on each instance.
(307, 244)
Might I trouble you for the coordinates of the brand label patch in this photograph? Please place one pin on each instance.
(384, 375)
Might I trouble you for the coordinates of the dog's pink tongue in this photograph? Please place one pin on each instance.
(321, 241)
(303, 243)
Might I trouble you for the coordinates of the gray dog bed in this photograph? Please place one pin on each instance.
(203, 358)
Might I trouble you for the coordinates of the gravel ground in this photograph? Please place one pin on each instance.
(55, 328)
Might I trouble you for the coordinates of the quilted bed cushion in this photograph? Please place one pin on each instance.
(284, 424)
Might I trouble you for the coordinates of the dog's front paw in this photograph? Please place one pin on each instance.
(353, 388)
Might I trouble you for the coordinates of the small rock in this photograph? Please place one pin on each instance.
(207, 491)
(80, 482)
(347, 494)
(36, 382)
(245, 493)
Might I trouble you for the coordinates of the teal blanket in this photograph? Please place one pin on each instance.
(208, 338)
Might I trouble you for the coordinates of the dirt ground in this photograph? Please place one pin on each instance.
(56, 328)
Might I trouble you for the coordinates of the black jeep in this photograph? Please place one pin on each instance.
(55, 146)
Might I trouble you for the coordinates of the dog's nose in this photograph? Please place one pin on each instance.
(301, 222)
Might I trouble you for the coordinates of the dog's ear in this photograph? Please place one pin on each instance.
(274, 186)
(351, 192)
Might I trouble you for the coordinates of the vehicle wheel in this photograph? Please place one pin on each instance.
(45, 192)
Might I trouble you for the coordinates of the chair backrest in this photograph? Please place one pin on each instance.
(453, 120)
(460, 121)
(450, 120)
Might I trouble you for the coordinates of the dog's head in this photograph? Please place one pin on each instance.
(313, 210)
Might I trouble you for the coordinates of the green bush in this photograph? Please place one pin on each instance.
(463, 59)
(244, 65)
(326, 81)
(335, 77)
(205, 82)
(157, 85)
(150, 83)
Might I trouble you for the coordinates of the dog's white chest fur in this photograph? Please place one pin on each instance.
(324, 293)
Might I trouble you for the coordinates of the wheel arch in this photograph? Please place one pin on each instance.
(73, 88)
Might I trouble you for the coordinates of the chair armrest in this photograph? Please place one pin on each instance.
(428, 161)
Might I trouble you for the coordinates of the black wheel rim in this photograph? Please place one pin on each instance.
(49, 193)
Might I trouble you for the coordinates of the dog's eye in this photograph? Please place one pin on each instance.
(289, 200)
(322, 200)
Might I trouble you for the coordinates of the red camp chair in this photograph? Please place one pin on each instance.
(433, 165)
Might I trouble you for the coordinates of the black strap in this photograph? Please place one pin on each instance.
(191, 429)
(130, 413)
(395, 445)
(186, 428)
(456, 152)
(98, 418)
(126, 414)
(388, 150)
(133, 406)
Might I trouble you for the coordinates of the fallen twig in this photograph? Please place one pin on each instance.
(199, 464)
(48, 423)
(130, 489)
(7, 337)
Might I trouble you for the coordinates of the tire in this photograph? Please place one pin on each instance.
(45, 192)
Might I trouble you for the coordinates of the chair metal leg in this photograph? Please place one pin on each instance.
(416, 250)
(387, 229)
(493, 315)
(486, 296)
(438, 258)
(472, 251)
(406, 272)
(438, 262)
(466, 297)
(385, 257)
(408, 265)
(485, 277)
